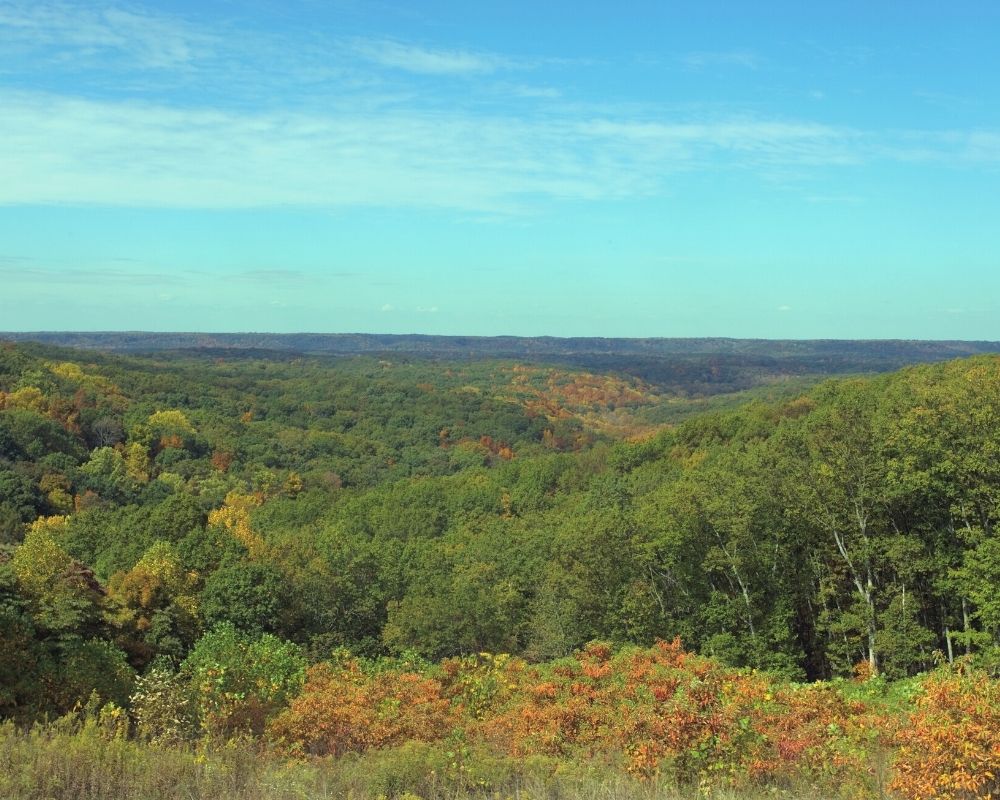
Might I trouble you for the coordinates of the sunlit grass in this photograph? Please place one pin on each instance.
(69, 760)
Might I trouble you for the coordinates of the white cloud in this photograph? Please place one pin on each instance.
(66, 150)
(429, 61)
(25, 271)
(73, 151)
(62, 150)
(824, 199)
(944, 147)
(533, 92)
(388, 307)
(725, 58)
(754, 142)
(85, 32)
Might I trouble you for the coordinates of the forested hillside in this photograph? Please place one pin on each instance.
(691, 367)
(203, 528)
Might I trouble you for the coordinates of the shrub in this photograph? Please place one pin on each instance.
(950, 749)
(342, 709)
(162, 707)
(240, 681)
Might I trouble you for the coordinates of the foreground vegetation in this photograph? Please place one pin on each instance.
(310, 559)
(640, 723)
(87, 765)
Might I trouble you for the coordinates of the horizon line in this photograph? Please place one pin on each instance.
(52, 332)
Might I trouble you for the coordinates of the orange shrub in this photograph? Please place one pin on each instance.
(951, 747)
(664, 712)
(656, 707)
(815, 734)
(342, 709)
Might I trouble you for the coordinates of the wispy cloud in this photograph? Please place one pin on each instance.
(15, 270)
(946, 100)
(533, 92)
(271, 277)
(349, 122)
(62, 29)
(949, 147)
(129, 50)
(429, 61)
(73, 151)
(726, 58)
(834, 199)
(62, 150)
(746, 143)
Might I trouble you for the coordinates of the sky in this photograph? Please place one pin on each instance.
(764, 169)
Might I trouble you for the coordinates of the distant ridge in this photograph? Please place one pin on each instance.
(900, 350)
(692, 367)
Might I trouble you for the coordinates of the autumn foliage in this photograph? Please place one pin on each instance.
(951, 748)
(343, 710)
(662, 711)
(186, 545)
(657, 713)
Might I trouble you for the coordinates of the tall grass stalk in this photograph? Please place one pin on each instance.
(72, 760)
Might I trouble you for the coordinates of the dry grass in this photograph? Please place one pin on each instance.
(70, 760)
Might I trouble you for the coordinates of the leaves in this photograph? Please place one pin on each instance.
(343, 710)
(950, 749)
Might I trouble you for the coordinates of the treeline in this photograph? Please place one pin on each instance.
(689, 367)
(870, 351)
(389, 508)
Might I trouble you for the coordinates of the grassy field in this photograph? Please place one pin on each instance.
(69, 760)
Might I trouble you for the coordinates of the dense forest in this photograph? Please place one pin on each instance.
(521, 558)
(687, 367)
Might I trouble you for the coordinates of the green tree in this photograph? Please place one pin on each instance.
(156, 603)
(248, 595)
(64, 598)
(239, 681)
(838, 485)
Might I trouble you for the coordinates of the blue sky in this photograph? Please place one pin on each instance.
(766, 169)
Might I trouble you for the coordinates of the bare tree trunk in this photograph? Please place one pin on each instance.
(739, 579)
(965, 627)
(866, 590)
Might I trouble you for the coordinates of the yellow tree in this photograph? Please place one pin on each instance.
(157, 601)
